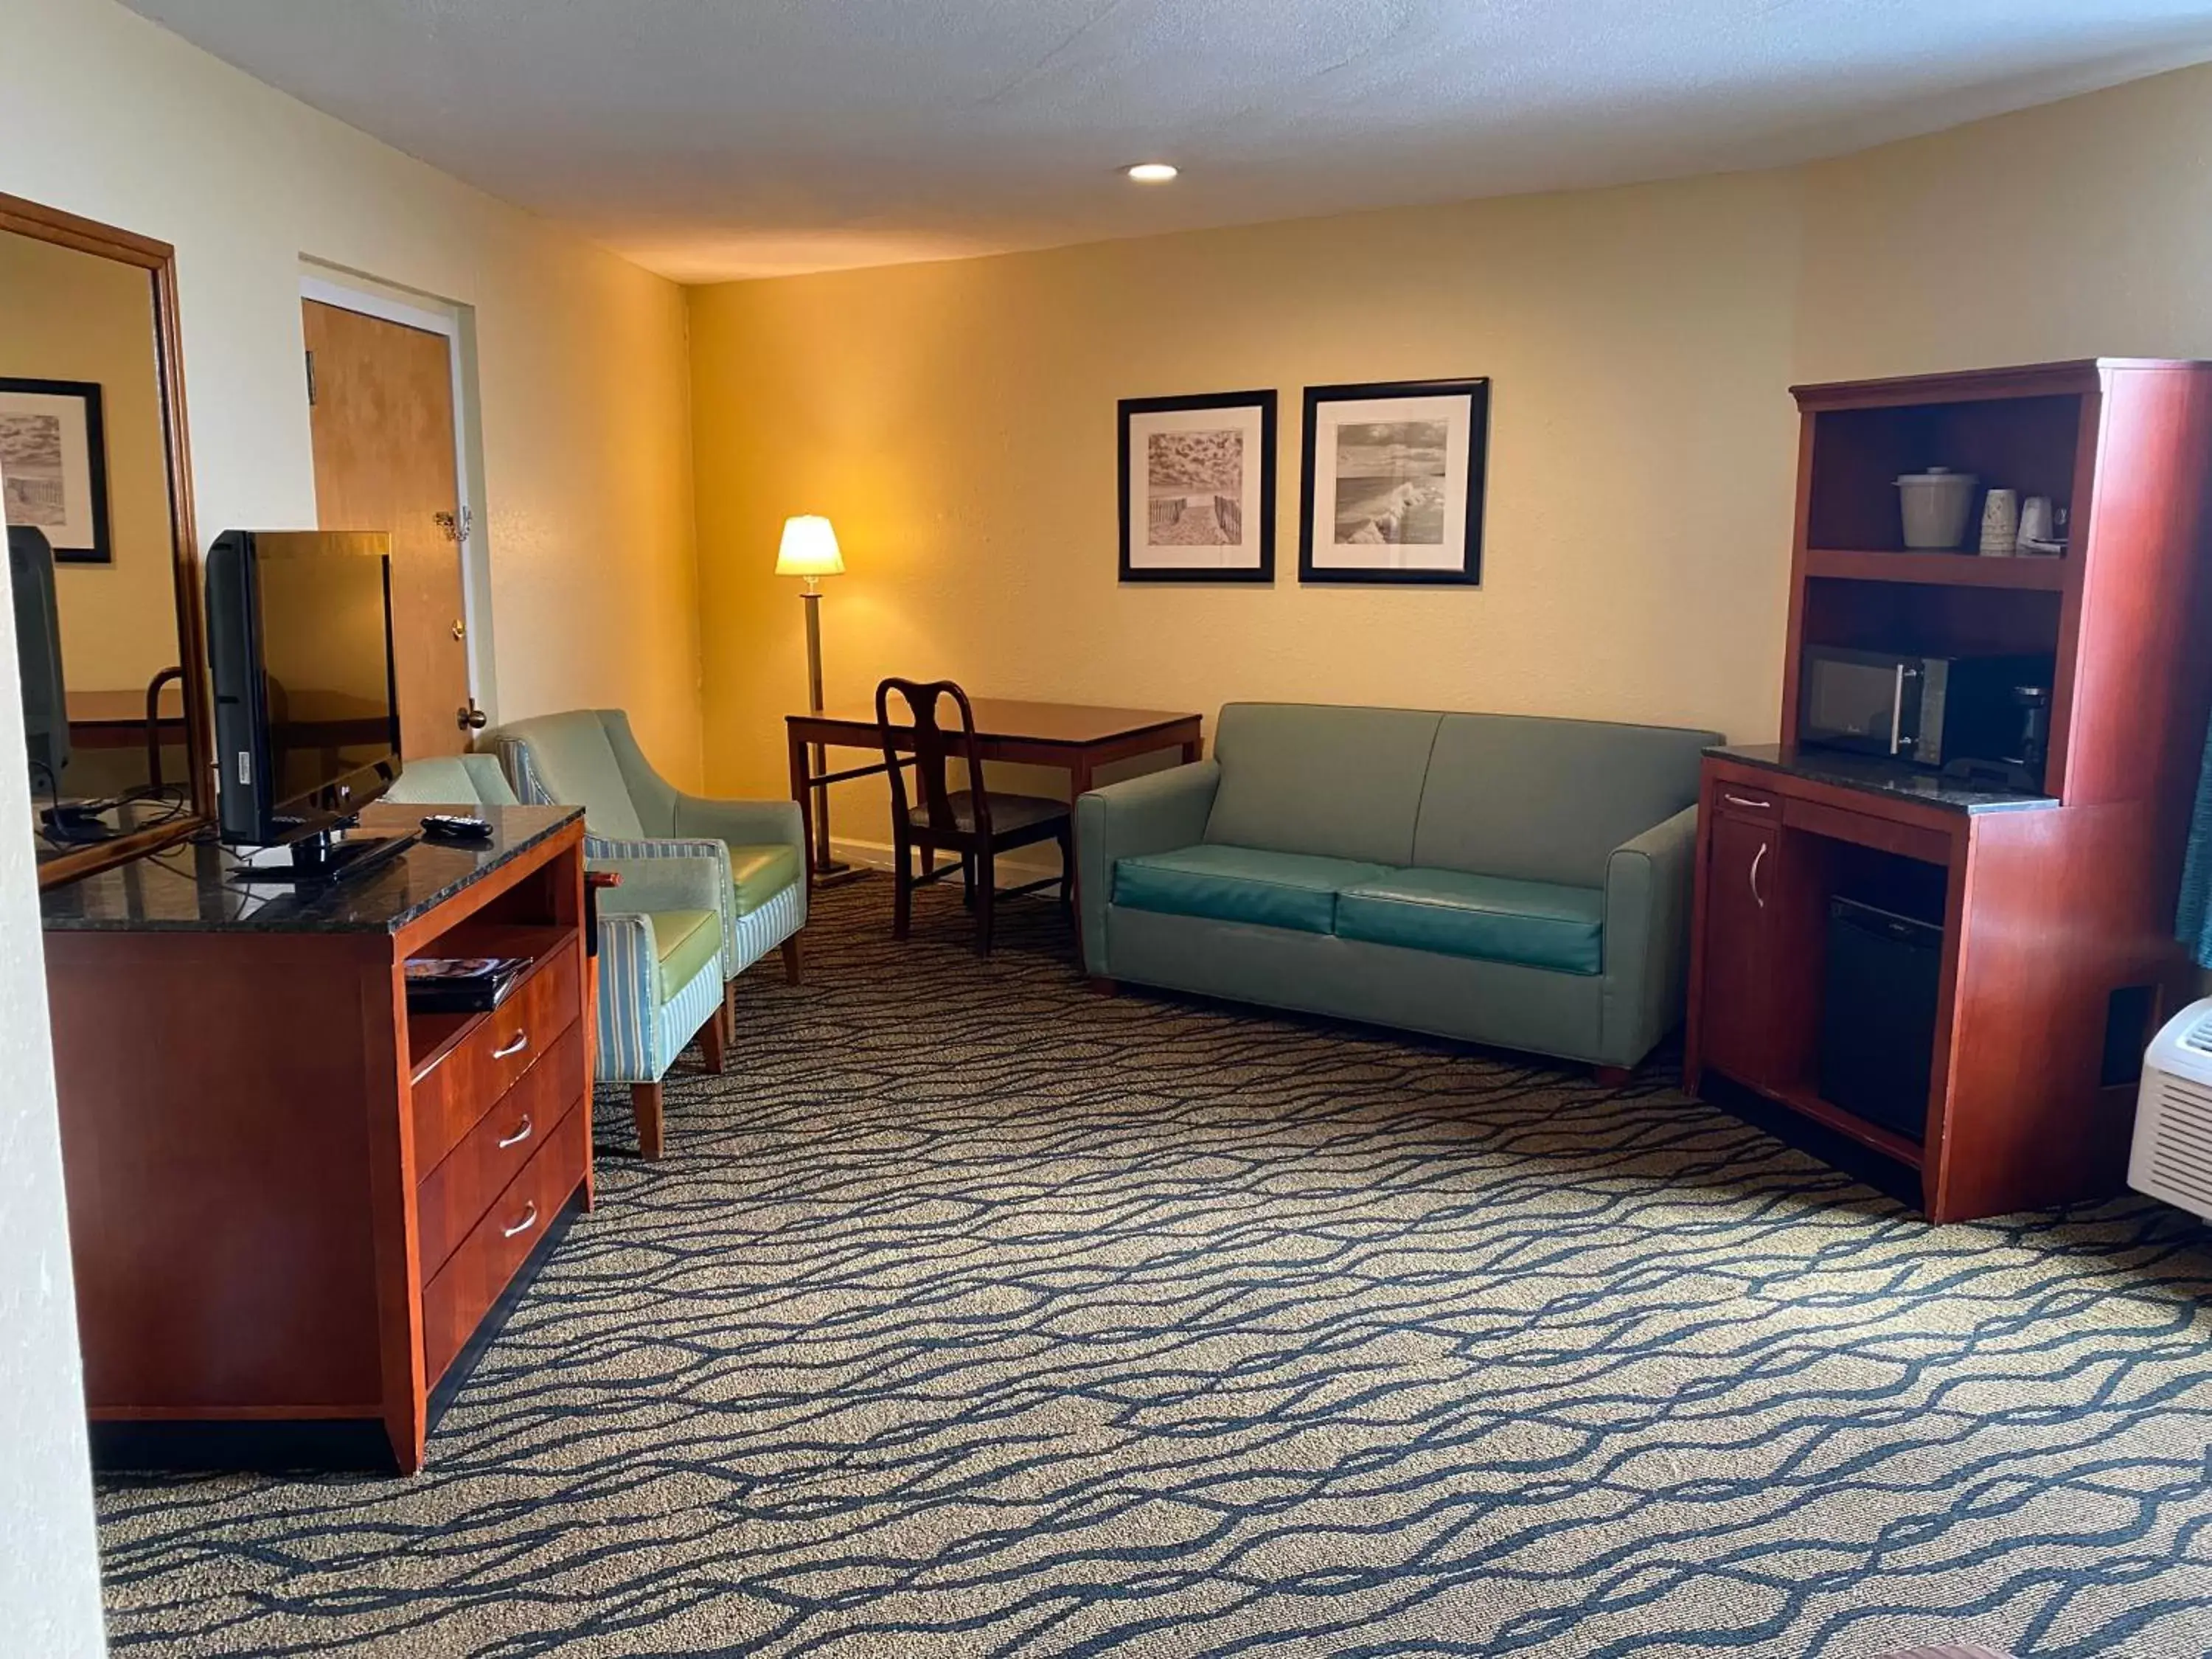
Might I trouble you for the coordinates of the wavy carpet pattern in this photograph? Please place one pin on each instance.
(974, 1314)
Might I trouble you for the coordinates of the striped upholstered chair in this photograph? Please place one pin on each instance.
(659, 959)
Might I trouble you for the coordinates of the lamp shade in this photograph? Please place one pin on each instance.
(809, 549)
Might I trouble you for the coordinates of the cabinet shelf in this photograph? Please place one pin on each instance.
(1890, 1144)
(1937, 569)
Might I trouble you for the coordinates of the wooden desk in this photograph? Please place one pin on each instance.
(1072, 737)
(292, 1202)
(117, 720)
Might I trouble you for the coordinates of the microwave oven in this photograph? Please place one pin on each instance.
(1930, 711)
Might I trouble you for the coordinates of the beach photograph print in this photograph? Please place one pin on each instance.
(1195, 488)
(1392, 475)
(1390, 481)
(1198, 487)
(53, 473)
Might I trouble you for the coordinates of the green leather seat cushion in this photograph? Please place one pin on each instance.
(1240, 884)
(685, 941)
(1537, 924)
(761, 872)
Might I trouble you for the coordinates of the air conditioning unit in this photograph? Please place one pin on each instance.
(2171, 1158)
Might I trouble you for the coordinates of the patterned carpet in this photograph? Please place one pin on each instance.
(975, 1315)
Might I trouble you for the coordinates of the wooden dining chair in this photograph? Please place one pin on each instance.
(973, 824)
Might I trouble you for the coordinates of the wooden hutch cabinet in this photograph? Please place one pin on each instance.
(2046, 906)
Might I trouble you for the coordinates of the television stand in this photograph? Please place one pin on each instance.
(321, 856)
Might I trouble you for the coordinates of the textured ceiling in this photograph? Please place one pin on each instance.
(714, 138)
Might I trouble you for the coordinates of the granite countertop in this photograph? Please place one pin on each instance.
(1898, 779)
(188, 888)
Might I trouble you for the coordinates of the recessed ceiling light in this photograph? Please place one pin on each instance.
(1151, 172)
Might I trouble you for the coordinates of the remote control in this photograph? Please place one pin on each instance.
(450, 826)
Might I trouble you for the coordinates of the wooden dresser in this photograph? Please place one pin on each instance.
(2048, 909)
(293, 1204)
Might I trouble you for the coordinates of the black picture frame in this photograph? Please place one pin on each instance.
(1469, 573)
(88, 393)
(1261, 400)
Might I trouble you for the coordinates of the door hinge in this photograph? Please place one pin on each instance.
(310, 378)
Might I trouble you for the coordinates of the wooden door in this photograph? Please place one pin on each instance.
(1739, 1006)
(381, 400)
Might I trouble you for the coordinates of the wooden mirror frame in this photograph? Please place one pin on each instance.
(159, 261)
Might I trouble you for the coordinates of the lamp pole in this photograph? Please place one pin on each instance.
(828, 871)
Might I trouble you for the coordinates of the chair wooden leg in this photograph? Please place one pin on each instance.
(715, 1040)
(1612, 1077)
(645, 1107)
(967, 879)
(902, 891)
(793, 963)
(986, 899)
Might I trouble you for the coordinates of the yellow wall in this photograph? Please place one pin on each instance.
(958, 423)
(956, 420)
(581, 355)
(70, 316)
(2079, 229)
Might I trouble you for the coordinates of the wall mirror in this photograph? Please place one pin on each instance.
(103, 560)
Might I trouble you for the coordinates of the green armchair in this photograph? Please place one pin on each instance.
(588, 757)
(658, 966)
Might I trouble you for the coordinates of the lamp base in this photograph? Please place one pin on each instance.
(837, 873)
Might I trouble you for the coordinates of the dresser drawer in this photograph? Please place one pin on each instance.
(465, 1082)
(454, 1196)
(455, 1301)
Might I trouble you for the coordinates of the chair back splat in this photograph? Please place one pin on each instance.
(933, 747)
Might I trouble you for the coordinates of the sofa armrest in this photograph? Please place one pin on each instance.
(1155, 813)
(1647, 938)
(650, 884)
(741, 823)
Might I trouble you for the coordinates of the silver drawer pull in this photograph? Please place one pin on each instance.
(1757, 858)
(1746, 800)
(528, 1221)
(514, 1046)
(521, 1133)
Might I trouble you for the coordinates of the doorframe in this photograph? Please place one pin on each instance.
(369, 297)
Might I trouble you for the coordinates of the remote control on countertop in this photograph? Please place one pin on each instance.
(451, 826)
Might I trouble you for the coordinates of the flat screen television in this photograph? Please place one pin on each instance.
(306, 709)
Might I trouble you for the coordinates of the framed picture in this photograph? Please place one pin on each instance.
(53, 460)
(1198, 487)
(1393, 476)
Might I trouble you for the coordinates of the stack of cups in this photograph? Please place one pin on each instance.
(2000, 522)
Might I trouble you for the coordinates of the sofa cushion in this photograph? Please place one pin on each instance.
(685, 941)
(1240, 884)
(759, 874)
(1343, 783)
(1549, 799)
(1538, 924)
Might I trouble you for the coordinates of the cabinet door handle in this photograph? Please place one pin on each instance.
(521, 1133)
(1757, 858)
(1746, 800)
(520, 1042)
(528, 1221)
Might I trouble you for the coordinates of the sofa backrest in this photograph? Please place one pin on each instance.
(1537, 800)
(452, 780)
(1312, 778)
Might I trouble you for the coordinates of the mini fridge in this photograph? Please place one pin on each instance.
(1878, 1015)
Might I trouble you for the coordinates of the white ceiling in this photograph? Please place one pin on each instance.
(716, 138)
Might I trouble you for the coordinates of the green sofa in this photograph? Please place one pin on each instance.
(1497, 878)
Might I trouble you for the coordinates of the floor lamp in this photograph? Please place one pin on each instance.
(809, 549)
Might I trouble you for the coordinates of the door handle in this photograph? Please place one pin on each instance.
(1757, 858)
(469, 718)
(521, 1040)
